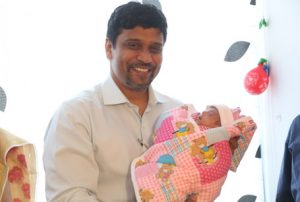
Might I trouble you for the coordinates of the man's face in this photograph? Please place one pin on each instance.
(210, 118)
(136, 58)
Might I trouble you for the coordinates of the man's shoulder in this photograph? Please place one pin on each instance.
(167, 99)
(85, 98)
(294, 131)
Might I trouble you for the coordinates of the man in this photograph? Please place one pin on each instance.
(92, 139)
(288, 189)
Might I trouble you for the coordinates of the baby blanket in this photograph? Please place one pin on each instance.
(188, 163)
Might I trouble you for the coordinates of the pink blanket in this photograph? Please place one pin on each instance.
(187, 163)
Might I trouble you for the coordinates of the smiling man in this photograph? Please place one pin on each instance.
(136, 57)
(93, 137)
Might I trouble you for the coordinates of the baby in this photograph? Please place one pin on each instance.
(191, 154)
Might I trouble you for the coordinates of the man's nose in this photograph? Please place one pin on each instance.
(145, 56)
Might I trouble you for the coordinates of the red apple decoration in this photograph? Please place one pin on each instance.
(257, 80)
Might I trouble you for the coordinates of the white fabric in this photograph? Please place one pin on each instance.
(91, 141)
(225, 114)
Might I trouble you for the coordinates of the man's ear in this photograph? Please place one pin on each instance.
(108, 48)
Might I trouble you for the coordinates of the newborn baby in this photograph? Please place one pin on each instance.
(191, 155)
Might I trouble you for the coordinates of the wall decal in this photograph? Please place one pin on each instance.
(236, 51)
(253, 2)
(247, 198)
(258, 153)
(263, 23)
(257, 80)
(156, 3)
(2, 100)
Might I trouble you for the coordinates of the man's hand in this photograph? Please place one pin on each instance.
(233, 143)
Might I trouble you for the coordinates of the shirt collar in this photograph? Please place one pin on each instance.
(112, 94)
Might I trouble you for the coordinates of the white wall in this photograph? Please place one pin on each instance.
(281, 102)
(51, 50)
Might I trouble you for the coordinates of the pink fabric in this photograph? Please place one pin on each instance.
(243, 144)
(219, 168)
(168, 182)
(176, 166)
(17, 169)
(166, 132)
(18, 176)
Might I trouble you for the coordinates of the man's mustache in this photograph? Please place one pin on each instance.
(142, 65)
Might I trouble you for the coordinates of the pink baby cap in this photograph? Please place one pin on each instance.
(227, 115)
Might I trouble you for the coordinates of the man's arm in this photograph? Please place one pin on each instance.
(221, 133)
(70, 168)
(289, 180)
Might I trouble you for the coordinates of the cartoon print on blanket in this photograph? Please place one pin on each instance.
(187, 162)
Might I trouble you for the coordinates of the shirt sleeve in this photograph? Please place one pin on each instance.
(244, 126)
(215, 135)
(70, 167)
(288, 188)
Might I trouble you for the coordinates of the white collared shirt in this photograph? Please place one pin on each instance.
(91, 141)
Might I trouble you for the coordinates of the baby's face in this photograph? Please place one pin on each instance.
(209, 118)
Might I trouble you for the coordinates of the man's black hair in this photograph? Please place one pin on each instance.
(133, 14)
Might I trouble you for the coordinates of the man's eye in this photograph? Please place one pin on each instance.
(133, 46)
(156, 49)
